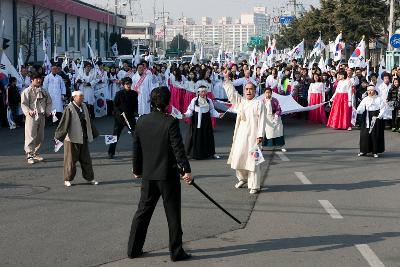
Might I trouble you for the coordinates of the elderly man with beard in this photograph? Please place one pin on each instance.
(249, 132)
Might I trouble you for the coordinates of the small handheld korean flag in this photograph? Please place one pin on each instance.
(176, 113)
(114, 49)
(53, 114)
(257, 155)
(110, 139)
(57, 145)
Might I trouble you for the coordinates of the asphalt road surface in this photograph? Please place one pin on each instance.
(320, 206)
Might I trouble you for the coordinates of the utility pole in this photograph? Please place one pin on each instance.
(115, 14)
(391, 21)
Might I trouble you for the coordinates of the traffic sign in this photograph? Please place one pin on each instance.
(395, 40)
(284, 20)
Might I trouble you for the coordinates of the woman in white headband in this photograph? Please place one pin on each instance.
(200, 140)
(372, 137)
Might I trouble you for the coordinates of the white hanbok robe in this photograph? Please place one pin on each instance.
(144, 91)
(88, 91)
(55, 86)
(113, 87)
(102, 83)
(250, 125)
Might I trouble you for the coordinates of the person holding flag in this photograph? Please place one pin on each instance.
(249, 133)
(76, 130)
(200, 140)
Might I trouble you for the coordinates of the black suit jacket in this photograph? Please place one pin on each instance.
(126, 101)
(158, 147)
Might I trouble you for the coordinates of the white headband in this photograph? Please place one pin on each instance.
(76, 93)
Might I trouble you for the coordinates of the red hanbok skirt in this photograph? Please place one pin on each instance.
(340, 117)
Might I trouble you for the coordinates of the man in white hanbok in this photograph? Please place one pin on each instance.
(87, 81)
(249, 132)
(55, 86)
(143, 85)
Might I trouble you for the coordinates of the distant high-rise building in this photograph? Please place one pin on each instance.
(231, 34)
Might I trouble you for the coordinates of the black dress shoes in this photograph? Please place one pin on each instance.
(136, 255)
(182, 257)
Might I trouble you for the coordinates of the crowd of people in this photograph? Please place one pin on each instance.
(345, 93)
(148, 98)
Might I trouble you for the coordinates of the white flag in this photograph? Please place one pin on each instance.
(321, 64)
(114, 49)
(319, 46)
(176, 113)
(20, 59)
(253, 58)
(53, 114)
(297, 51)
(92, 54)
(357, 59)
(219, 59)
(201, 53)
(257, 155)
(45, 44)
(339, 46)
(193, 61)
(65, 63)
(381, 71)
(137, 56)
(46, 64)
(110, 139)
(7, 68)
(57, 145)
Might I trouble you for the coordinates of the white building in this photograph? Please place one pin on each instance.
(140, 33)
(231, 34)
(68, 25)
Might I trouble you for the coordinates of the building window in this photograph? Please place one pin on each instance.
(24, 28)
(96, 36)
(83, 38)
(57, 35)
(71, 37)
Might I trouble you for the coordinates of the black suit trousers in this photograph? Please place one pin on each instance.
(118, 127)
(170, 191)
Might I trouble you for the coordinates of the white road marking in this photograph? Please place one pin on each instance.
(302, 178)
(369, 255)
(330, 209)
(282, 156)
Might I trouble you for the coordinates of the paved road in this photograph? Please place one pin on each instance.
(320, 206)
(44, 224)
(289, 225)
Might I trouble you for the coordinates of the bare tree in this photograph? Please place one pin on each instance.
(33, 24)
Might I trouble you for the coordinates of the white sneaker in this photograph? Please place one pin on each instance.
(376, 156)
(216, 156)
(283, 150)
(31, 160)
(94, 182)
(360, 154)
(240, 184)
(349, 129)
(67, 183)
(254, 191)
(37, 157)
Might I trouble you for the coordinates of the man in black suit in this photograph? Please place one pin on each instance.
(125, 101)
(158, 158)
